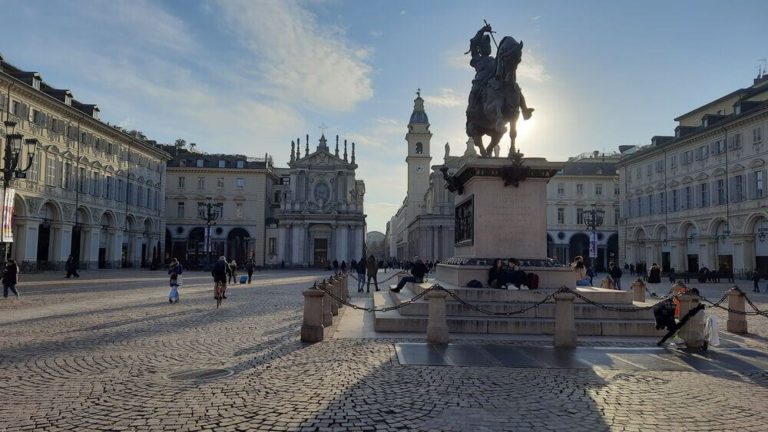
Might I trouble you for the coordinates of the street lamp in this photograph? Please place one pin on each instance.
(12, 169)
(210, 213)
(593, 218)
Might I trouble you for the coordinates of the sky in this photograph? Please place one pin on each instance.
(249, 76)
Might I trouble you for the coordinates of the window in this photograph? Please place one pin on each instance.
(720, 192)
(649, 205)
(704, 194)
(719, 146)
(220, 183)
(285, 180)
(50, 170)
(675, 201)
(35, 168)
(734, 142)
(579, 189)
(276, 197)
(239, 210)
(180, 210)
(181, 182)
(130, 194)
(616, 190)
(579, 216)
(616, 216)
(598, 189)
(759, 184)
(702, 153)
(649, 170)
(638, 175)
(272, 246)
(757, 135)
(673, 161)
(561, 188)
(560, 215)
(94, 183)
(241, 164)
(120, 192)
(66, 181)
(239, 182)
(738, 188)
(688, 197)
(200, 163)
(687, 157)
(659, 166)
(222, 164)
(201, 183)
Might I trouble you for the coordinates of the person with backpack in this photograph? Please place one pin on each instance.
(219, 272)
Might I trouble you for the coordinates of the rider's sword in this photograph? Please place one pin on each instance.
(492, 38)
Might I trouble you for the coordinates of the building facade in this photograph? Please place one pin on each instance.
(92, 190)
(586, 182)
(698, 198)
(236, 187)
(319, 215)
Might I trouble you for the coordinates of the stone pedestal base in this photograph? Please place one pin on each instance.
(460, 275)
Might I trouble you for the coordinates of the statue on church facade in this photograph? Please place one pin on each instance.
(495, 98)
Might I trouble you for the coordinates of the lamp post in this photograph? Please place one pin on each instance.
(12, 169)
(593, 218)
(210, 213)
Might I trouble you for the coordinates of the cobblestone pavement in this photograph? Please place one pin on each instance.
(95, 354)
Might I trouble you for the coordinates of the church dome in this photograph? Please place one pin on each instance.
(419, 117)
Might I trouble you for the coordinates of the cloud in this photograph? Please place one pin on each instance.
(300, 60)
(531, 68)
(447, 98)
(377, 33)
(383, 133)
(536, 18)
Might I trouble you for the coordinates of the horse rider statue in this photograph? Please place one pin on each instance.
(495, 98)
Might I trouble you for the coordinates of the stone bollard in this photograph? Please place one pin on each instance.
(327, 314)
(737, 322)
(565, 323)
(333, 286)
(312, 328)
(638, 290)
(692, 331)
(437, 326)
(346, 287)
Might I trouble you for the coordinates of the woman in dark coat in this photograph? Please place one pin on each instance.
(10, 278)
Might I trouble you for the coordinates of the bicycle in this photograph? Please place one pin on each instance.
(218, 292)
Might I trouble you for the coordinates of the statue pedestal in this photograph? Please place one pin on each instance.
(497, 221)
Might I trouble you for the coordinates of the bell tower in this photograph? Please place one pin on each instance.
(418, 159)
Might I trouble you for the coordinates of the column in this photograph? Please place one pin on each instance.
(135, 257)
(115, 248)
(62, 242)
(93, 250)
(307, 246)
(344, 243)
(32, 230)
(741, 261)
(296, 245)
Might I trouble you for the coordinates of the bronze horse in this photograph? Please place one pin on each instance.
(500, 101)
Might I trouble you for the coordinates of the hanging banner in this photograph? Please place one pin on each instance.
(7, 227)
(593, 244)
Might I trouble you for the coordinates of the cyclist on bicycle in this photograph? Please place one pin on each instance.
(219, 272)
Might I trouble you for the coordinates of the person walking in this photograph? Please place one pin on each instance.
(232, 271)
(755, 280)
(615, 274)
(10, 278)
(373, 268)
(174, 269)
(71, 267)
(360, 268)
(343, 266)
(249, 267)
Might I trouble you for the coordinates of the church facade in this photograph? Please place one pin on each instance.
(423, 225)
(319, 216)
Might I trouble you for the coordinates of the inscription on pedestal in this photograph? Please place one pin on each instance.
(465, 222)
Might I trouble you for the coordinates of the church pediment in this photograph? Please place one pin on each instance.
(320, 158)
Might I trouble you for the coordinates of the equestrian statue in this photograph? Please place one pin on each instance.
(495, 98)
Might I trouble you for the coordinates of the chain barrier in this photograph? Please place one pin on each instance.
(756, 311)
(381, 282)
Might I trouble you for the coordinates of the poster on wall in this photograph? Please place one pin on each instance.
(10, 194)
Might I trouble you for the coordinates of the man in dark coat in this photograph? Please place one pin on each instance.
(418, 271)
(219, 273)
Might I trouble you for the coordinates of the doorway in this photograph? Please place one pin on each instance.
(693, 263)
(321, 253)
(43, 242)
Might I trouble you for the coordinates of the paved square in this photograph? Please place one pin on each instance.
(99, 353)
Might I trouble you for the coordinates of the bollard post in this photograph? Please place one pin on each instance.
(737, 322)
(437, 326)
(312, 328)
(333, 287)
(565, 322)
(638, 290)
(327, 315)
(692, 331)
(346, 286)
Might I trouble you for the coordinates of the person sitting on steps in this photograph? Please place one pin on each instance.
(516, 278)
(496, 275)
(418, 271)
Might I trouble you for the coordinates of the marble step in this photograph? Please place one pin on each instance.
(473, 295)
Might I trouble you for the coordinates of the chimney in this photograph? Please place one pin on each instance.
(595, 154)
